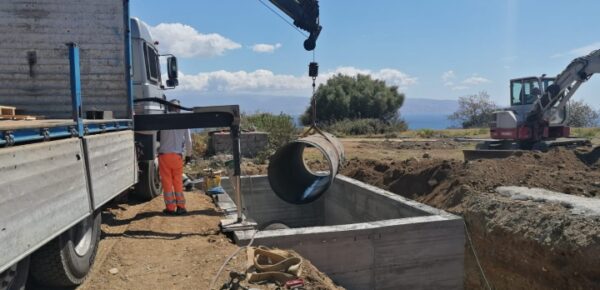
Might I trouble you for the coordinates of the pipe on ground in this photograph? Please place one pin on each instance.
(292, 180)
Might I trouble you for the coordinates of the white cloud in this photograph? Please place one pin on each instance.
(185, 41)
(243, 82)
(580, 51)
(390, 76)
(449, 79)
(448, 76)
(266, 82)
(475, 80)
(459, 88)
(265, 48)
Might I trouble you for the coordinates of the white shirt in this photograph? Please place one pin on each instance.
(176, 141)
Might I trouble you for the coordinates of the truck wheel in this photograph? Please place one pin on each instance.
(66, 260)
(15, 277)
(148, 186)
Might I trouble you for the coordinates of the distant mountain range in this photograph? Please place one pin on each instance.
(419, 113)
(428, 107)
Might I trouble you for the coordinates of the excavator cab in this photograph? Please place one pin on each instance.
(510, 123)
(525, 91)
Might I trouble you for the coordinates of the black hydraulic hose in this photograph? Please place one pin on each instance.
(164, 102)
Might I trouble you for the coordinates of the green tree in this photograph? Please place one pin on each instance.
(361, 97)
(474, 111)
(582, 115)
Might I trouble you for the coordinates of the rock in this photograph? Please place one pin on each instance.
(537, 156)
(113, 271)
(426, 155)
(519, 197)
(561, 166)
(432, 182)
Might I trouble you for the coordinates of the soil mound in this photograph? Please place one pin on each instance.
(522, 244)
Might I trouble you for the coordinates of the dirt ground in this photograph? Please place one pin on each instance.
(521, 244)
(141, 248)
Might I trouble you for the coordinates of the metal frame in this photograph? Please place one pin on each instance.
(202, 117)
(128, 58)
(76, 87)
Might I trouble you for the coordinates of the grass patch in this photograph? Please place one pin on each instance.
(589, 133)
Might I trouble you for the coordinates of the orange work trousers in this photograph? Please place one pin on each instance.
(170, 167)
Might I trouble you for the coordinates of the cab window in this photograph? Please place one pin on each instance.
(516, 89)
(532, 91)
(151, 58)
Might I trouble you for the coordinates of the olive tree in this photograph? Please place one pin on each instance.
(474, 111)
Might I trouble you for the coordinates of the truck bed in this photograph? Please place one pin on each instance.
(6, 125)
(14, 132)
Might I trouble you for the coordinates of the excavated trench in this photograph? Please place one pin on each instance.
(359, 235)
(521, 242)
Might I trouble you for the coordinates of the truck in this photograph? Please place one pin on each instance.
(89, 76)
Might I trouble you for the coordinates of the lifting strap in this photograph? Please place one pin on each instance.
(272, 265)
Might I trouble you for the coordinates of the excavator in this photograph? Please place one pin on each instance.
(536, 119)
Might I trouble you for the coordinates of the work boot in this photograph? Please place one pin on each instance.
(181, 211)
(169, 212)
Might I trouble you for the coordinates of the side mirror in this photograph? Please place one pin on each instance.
(172, 71)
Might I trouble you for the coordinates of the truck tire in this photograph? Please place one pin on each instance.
(15, 278)
(148, 186)
(66, 260)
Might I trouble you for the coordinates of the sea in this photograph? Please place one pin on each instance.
(427, 121)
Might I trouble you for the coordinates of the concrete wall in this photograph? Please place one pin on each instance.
(368, 239)
(264, 207)
(42, 28)
(252, 143)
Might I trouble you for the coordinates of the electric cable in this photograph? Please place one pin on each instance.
(487, 283)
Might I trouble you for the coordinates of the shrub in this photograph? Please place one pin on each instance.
(281, 130)
(425, 133)
(364, 127)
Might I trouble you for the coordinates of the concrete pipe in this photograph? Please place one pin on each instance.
(292, 180)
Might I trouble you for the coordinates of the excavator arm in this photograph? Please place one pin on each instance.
(305, 14)
(567, 82)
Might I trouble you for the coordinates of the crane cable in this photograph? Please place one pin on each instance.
(282, 18)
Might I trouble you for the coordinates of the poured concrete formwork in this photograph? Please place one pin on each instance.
(363, 237)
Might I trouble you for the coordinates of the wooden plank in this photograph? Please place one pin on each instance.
(5, 110)
(19, 117)
(33, 124)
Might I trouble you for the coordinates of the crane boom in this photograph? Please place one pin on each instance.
(567, 82)
(305, 14)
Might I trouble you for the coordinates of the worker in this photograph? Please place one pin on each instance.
(175, 147)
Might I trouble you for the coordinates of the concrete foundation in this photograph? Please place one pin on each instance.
(363, 237)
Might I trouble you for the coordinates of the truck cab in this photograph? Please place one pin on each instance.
(146, 70)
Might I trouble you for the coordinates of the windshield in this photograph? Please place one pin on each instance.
(525, 91)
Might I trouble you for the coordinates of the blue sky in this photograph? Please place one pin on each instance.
(430, 49)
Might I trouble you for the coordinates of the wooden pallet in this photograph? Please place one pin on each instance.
(5, 110)
(18, 117)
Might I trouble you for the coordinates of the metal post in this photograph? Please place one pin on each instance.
(128, 59)
(237, 170)
(76, 87)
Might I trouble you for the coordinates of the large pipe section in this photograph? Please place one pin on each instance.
(292, 180)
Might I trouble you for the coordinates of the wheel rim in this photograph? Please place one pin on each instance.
(82, 237)
(7, 277)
